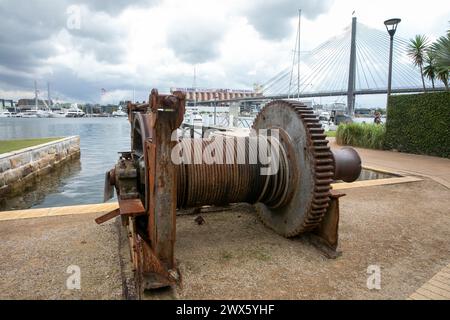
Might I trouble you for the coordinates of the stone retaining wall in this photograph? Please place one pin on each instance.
(18, 169)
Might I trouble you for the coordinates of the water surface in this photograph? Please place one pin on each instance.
(79, 181)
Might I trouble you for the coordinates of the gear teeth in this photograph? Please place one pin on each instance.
(314, 125)
(322, 164)
(317, 130)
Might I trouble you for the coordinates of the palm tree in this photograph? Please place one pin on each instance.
(441, 49)
(416, 50)
(430, 68)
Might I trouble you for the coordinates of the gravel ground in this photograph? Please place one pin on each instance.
(404, 229)
(35, 255)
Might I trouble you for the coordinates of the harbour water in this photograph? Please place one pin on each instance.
(79, 181)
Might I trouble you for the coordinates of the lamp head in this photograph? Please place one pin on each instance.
(391, 25)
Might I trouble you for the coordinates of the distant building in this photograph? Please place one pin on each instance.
(29, 104)
(201, 94)
(6, 104)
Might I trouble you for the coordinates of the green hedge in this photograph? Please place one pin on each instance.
(361, 135)
(419, 123)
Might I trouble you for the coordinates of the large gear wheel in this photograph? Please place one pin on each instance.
(311, 158)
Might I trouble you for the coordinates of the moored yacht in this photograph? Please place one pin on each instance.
(119, 113)
(5, 114)
(75, 112)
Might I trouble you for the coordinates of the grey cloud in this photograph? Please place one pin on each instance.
(117, 6)
(271, 18)
(194, 40)
(101, 36)
(27, 28)
(28, 25)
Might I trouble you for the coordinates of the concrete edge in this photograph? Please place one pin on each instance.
(373, 183)
(384, 170)
(403, 173)
(38, 146)
(58, 211)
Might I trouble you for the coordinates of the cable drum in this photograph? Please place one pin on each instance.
(223, 170)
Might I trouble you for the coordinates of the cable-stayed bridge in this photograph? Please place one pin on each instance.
(330, 70)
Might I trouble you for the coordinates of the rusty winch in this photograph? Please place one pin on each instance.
(291, 190)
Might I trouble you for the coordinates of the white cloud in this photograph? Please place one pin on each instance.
(157, 43)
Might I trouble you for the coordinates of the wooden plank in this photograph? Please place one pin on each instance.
(108, 216)
(373, 183)
(58, 211)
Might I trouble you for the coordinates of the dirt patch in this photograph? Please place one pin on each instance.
(404, 229)
(35, 255)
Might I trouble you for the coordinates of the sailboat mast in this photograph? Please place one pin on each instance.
(48, 94)
(35, 95)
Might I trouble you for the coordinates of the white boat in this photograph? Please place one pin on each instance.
(119, 113)
(43, 113)
(75, 112)
(324, 116)
(29, 114)
(58, 114)
(5, 114)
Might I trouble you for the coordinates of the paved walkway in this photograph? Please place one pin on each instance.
(438, 169)
(434, 168)
(437, 288)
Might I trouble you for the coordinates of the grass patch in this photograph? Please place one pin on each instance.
(13, 145)
(331, 134)
(362, 135)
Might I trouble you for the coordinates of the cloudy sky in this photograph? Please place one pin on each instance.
(82, 46)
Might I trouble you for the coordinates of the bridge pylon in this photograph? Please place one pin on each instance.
(352, 71)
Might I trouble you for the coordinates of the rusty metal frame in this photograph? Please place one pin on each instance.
(148, 198)
(153, 248)
(326, 236)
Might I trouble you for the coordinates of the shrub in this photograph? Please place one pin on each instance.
(361, 135)
(419, 123)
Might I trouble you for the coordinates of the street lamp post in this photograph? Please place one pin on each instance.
(391, 27)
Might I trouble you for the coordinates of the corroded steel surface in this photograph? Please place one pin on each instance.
(294, 199)
(312, 160)
(213, 183)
